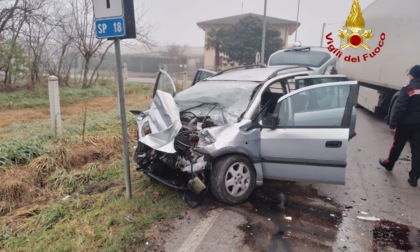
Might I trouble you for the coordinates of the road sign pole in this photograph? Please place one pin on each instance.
(111, 17)
(123, 118)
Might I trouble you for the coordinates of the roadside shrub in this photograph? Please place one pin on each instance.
(19, 151)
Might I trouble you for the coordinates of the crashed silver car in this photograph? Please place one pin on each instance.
(229, 132)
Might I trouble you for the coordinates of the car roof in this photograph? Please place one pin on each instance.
(303, 49)
(323, 76)
(257, 74)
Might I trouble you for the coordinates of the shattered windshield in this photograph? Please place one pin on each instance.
(223, 102)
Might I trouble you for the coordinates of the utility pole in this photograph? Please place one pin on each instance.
(297, 21)
(263, 33)
(322, 34)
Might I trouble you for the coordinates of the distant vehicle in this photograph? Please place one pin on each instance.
(396, 49)
(320, 60)
(229, 132)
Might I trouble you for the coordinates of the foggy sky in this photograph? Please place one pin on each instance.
(176, 20)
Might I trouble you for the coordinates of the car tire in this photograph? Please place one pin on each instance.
(232, 179)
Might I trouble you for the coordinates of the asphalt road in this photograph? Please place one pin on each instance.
(375, 211)
(371, 189)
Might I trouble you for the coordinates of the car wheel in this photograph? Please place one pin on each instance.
(232, 179)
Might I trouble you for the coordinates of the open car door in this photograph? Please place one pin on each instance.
(306, 139)
(164, 83)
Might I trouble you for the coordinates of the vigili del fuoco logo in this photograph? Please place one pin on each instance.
(355, 36)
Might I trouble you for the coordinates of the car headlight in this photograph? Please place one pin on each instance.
(145, 129)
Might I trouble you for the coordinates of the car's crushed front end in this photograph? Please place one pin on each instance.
(229, 132)
(178, 137)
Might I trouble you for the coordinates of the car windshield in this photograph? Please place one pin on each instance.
(224, 102)
(303, 58)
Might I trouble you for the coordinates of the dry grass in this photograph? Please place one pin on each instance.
(4, 208)
(60, 154)
(33, 214)
(101, 104)
(14, 187)
(71, 166)
(63, 169)
(95, 148)
(41, 168)
(108, 145)
(68, 182)
(20, 219)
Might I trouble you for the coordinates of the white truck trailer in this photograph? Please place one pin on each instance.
(394, 48)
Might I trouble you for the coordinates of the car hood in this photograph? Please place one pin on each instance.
(163, 122)
(212, 105)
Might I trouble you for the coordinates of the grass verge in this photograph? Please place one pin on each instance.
(69, 195)
(38, 97)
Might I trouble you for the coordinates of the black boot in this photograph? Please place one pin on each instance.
(413, 181)
(386, 164)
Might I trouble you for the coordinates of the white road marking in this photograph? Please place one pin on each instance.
(197, 235)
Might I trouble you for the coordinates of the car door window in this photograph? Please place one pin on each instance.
(301, 82)
(201, 75)
(164, 83)
(320, 107)
(271, 95)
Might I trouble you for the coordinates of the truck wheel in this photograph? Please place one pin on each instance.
(232, 179)
(391, 109)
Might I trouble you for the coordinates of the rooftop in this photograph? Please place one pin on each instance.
(235, 19)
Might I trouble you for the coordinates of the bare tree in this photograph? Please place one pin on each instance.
(144, 29)
(12, 56)
(14, 20)
(84, 36)
(57, 61)
(46, 32)
(177, 53)
(7, 11)
(13, 61)
(39, 26)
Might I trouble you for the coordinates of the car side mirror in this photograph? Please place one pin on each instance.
(136, 112)
(269, 122)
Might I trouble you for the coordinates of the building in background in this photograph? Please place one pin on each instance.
(285, 27)
(146, 62)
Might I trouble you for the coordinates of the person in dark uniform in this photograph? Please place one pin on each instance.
(406, 122)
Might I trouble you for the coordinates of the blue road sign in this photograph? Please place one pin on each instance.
(110, 27)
